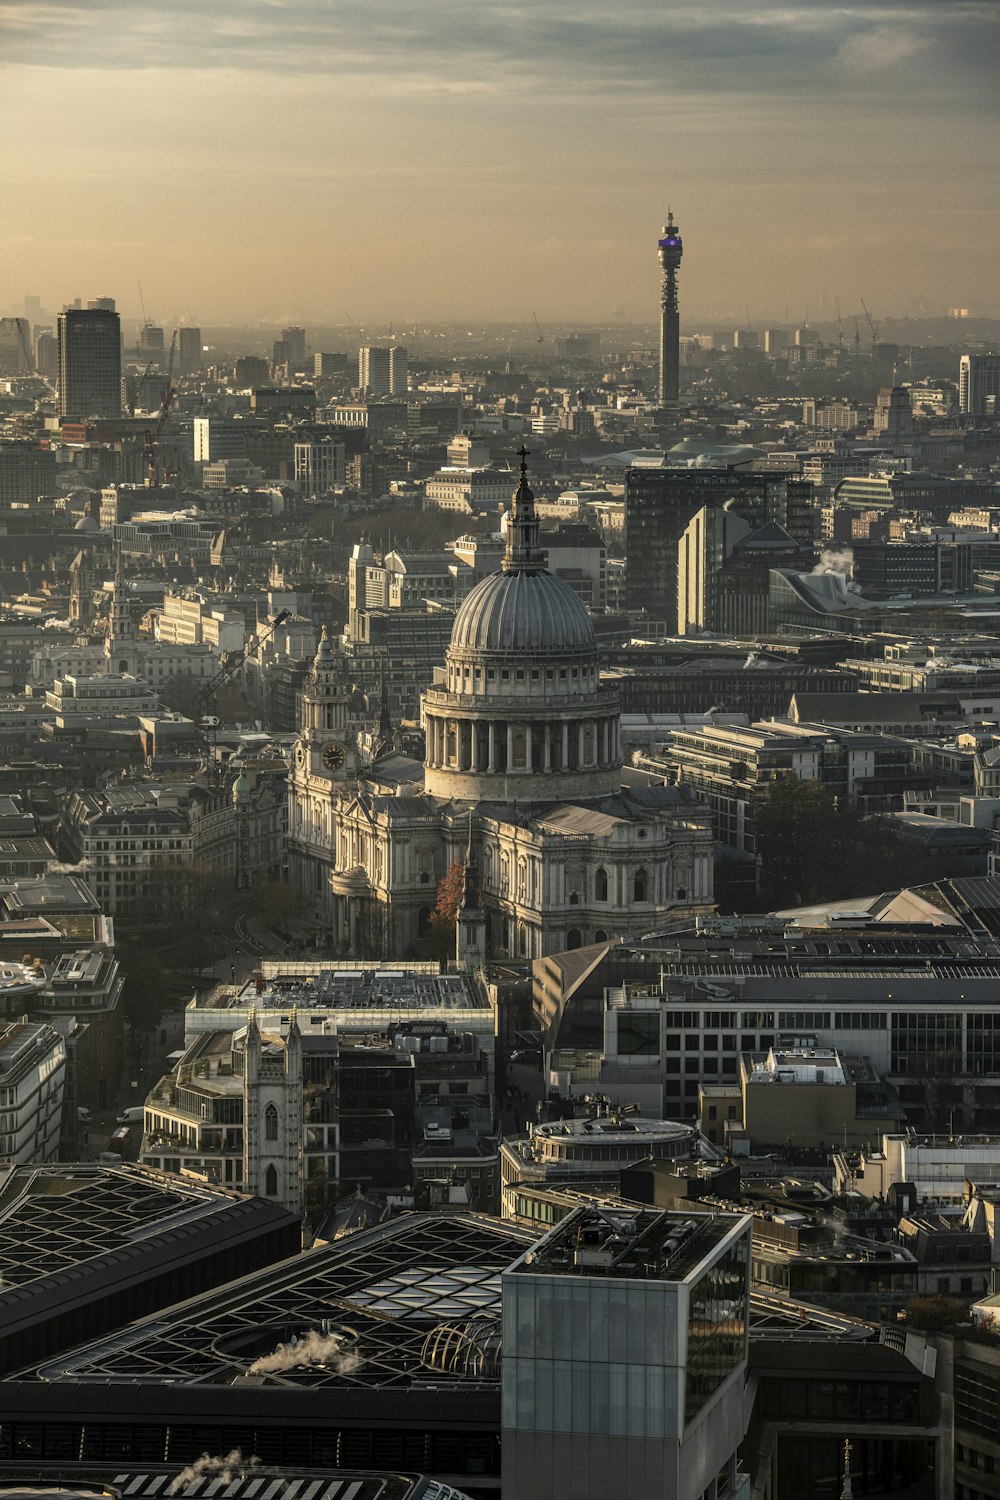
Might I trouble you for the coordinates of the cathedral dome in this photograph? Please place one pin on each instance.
(523, 614)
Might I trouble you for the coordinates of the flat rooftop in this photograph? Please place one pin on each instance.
(363, 989)
(630, 1243)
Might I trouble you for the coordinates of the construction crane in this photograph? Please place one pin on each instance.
(872, 325)
(746, 306)
(538, 328)
(132, 398)
(857, 339)
(231, 665)
(840, 330)
(153, 438)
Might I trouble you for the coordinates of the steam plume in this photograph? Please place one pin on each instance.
(231, 1467)
(831, 561)
(313, 1348)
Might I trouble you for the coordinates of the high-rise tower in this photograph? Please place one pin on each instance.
(671, 250)
(90, 363)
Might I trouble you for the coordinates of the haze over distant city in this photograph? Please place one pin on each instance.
(277, 158)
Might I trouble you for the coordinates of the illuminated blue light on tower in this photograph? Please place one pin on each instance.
(671, 249)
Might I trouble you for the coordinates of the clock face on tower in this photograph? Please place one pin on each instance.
(333, 756)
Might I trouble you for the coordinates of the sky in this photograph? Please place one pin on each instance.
(435, 159)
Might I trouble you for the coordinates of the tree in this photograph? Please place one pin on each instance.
(815, 846)
(440, 940)
(275, 902)
(144, 997)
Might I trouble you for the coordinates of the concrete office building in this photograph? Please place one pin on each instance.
(382, 371)
(320, 465)
(189, 350)
(218, 437)
(15, 346)
(918, 1004)
(26, 472)
(979, 385)
(90, 363)
(294, 340)
(625, 1350)
(32, 1073)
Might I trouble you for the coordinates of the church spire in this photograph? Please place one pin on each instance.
(470, 924)
(383, 738)
(522, 555)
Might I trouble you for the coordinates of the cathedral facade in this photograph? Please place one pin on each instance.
(522, 776)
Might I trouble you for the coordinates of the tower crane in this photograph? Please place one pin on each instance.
(873, 327)
(538, 328)
(153, 438)
(234, 660)
(132, 399)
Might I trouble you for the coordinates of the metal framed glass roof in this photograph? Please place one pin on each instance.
(55, 1218)
(354, 1313)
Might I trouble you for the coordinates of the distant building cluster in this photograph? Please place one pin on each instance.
(499, 937)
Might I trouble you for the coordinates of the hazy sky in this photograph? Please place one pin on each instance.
(422, 158)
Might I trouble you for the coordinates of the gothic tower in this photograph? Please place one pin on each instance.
(272, 1115)
(324, 757)
(470, 925)
(81, 588)
(121, 656)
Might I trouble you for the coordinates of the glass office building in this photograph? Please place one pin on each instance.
(624, 1357)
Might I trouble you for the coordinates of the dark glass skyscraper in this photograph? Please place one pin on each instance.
(659, 503)
(90, 363)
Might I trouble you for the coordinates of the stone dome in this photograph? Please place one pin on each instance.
(523, 614)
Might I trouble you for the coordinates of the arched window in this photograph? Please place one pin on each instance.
(601, 885)
(270, 1123)
(271, 1182)
(519, 747)
(639, 885)
(588, 746)
(573, 938)
(122, 667)
(600, 936)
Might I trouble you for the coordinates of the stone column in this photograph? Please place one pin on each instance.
(510, 747)
(529, 747)
(491, 761)
(579, 744)
(474, 747)
(565, 747)
(546, 747)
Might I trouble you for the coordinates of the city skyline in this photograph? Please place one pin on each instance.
(287, 159)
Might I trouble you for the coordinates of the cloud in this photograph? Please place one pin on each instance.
(513, 47)
(881, 47)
